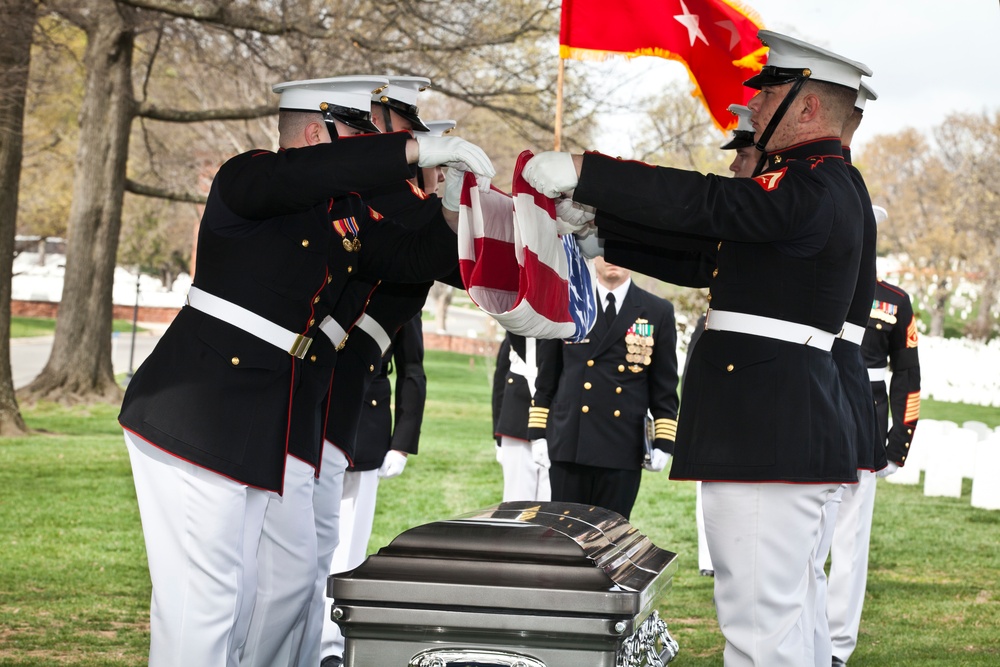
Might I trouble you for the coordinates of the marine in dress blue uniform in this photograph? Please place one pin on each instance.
(847, 514)
(524, 478)
(766, 422)
(890, 338)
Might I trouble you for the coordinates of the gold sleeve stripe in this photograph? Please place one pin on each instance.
(911, 333)
(665, 429)
(912, 413)
(538, 417)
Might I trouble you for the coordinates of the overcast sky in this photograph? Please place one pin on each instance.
(929, 57)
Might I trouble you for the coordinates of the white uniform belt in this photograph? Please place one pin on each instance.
(293, 343)
(368, 324)
(768, 327)
(334, 332)
(876, 374)
(852, 333)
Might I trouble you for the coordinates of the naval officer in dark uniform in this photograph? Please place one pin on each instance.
(591, 397)
(207, 415)
(765, 423)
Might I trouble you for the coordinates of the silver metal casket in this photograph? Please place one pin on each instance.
(521, 584)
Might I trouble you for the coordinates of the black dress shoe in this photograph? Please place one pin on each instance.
(332, 661)
(837, 662)
(708, 573)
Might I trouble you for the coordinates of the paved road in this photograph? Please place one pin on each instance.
(28, 356)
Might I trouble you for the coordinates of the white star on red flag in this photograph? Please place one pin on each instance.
(690, 21)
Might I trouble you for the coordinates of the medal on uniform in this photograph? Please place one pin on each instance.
(639, 343)
(348, 230)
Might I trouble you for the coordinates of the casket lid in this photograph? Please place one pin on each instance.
(521, 556)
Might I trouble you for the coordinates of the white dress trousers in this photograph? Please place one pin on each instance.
(704, 558)
(201, 531)
(357, 515)
(286, 564)
(762, 537)
(849, 564)
(523, 479)
(327, 493)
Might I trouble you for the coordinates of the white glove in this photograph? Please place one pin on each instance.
(551, 173)
(590, 246)
(453, 188)
(540, 453)
(572, 217)
(658, 460)
(887, 470)
(392, 464)
(499, 454)
(453, 152)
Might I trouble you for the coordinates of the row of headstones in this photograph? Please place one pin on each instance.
(948, 453)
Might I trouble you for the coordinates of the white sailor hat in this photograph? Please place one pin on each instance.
(401, 97)
(743, 134)
(344, 98)
(789, 59)
(881, 215)
(865, 93)
(439, 128)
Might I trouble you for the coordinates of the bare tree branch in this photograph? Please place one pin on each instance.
(144, 190)
(153, 112)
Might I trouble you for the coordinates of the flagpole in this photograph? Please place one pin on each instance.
(559, 105)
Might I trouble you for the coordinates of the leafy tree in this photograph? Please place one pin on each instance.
(17, 22)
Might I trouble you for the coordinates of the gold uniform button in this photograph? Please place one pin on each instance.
(585, 409)
(618, 413)
(590, 362)
(909, 431)
(316, 299)
(374, 403)
(329, 279)
(510, 380)
(710, 297)
(371, 368)
(902, 460)
(878, 325)
(730, 368)
(305, 243)
(719, 247)
(715, 272)
(312, 322)
(235, 361)
(618, 390)
(350, 268)
(621, 368)
(587, 385)
(312, 357)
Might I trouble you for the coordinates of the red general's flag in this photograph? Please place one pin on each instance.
(715, 39)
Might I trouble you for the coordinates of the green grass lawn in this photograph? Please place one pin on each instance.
(22, 327)
(74, 589)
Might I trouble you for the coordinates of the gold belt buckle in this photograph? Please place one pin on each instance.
(300, 346)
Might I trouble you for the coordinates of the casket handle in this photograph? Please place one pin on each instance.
(452, 657)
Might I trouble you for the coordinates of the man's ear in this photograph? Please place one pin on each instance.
(810, 108)
(316, 133)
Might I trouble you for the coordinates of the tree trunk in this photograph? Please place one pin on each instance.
(981, 327)
(938, 308)
(17, 22)
(442, 294)
(79, 368)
